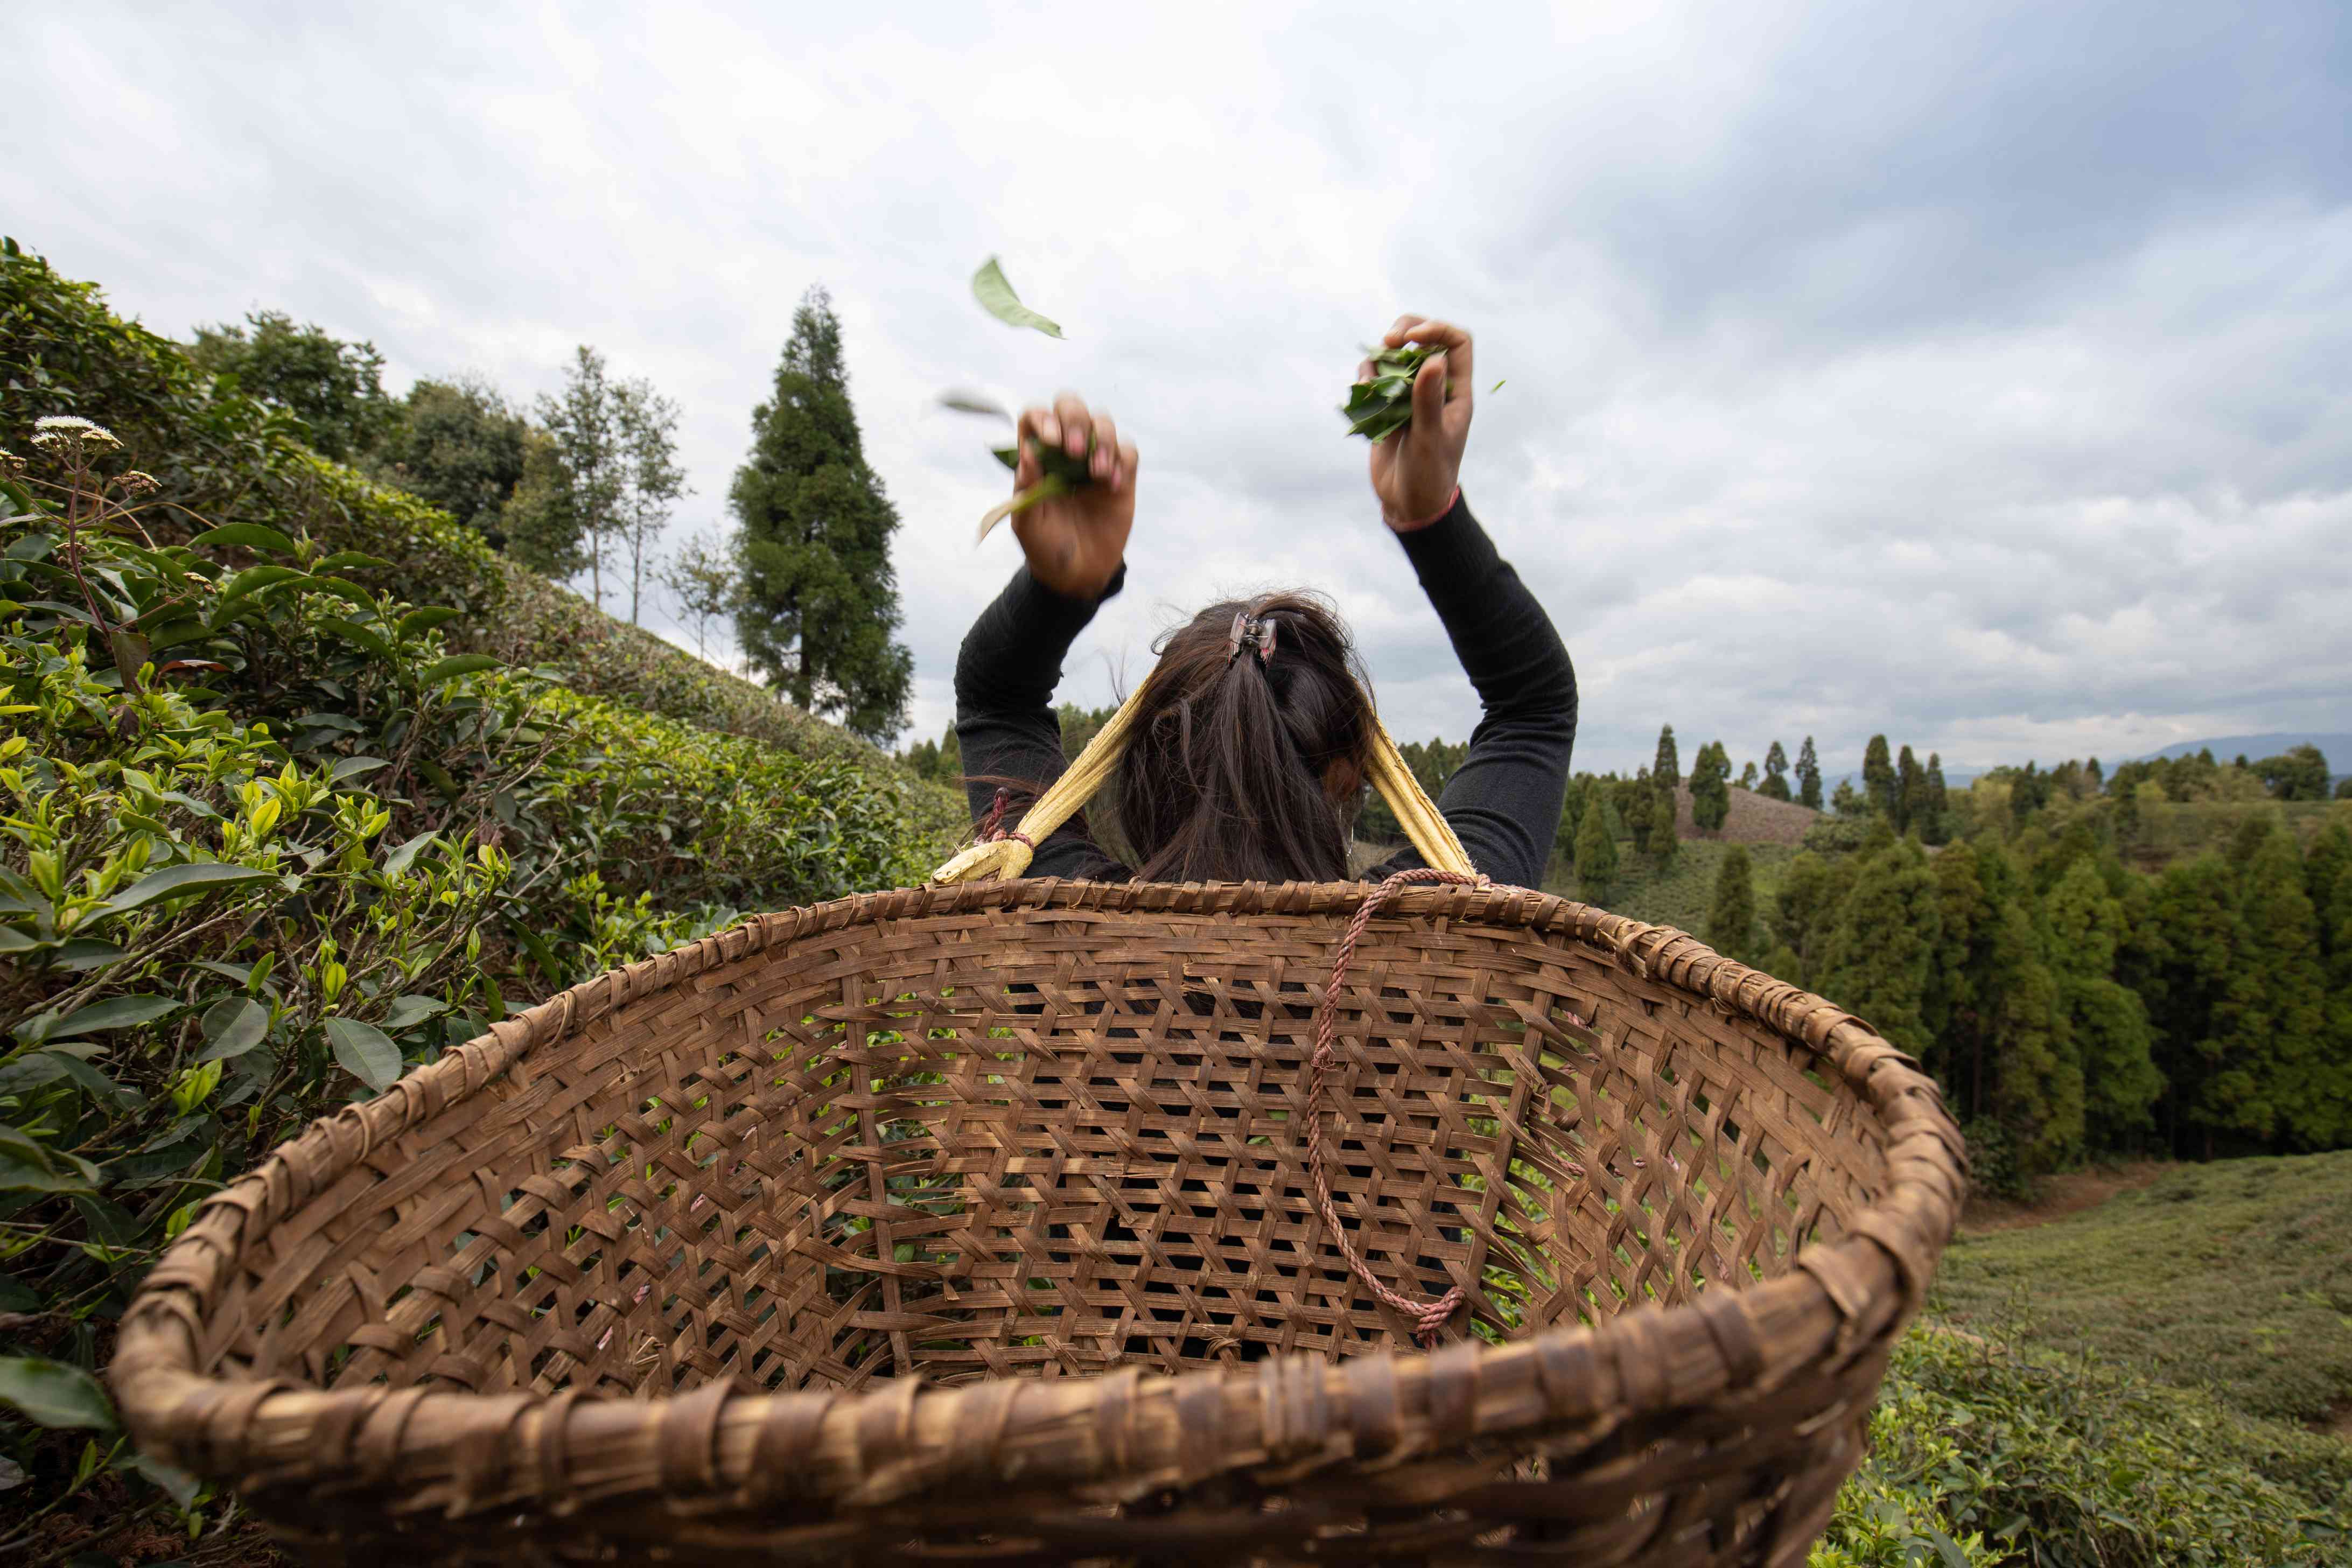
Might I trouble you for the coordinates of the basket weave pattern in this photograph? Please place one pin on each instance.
(976, 1223)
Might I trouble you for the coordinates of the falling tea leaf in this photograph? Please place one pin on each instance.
(979, 403)
(1497, 387)
(997, 298)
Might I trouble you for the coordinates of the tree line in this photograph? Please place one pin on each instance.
(584, 482)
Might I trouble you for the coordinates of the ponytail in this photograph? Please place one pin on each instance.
(1250, 747)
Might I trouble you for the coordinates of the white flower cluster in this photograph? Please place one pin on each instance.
(72, 432)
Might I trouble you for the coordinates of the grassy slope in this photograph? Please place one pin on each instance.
(1679, 895)
(2234, 1277)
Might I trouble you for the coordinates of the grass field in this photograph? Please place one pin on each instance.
(2234, 1278)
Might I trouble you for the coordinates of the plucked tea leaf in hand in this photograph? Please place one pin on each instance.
(1061, 474)
(1381, 405)
(997, 298)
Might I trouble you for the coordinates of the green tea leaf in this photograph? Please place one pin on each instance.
(254, 578)
(348, 561)
(178, 1484)
(359, 637)
(115, 1013)
(365, 1052)
(408, 1011)
(171, 879)
(53, 1394)
(352, 768)
(251, 535)
(419, 621)
(974, 403)
(233, 1026)
(997, 298)
(456, 665)
(397, 863)
(1497, 386)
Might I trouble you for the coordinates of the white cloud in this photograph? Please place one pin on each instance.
(1983, 380)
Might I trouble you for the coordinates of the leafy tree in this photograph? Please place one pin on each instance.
(2107, 1024)
(458, 444)
(1666, 840)
(1848, 800)
(1776, 773)
(591, 450)
(652, 481)
(1804, 911)
(1666, 771)
(1581, 790)
(335, 388)
(2300, 773)
(703, 579)
(1596, 850)
(820, 599)
(1881, 950)
(1950, 1001)
(1809, 775)
(1731, 916)
(542, 517)
(2344, 788)
(2281, 1016)
(2187, 972)
(2037, 1092)
(1746, 780)
(1881, 787)
(1710, 791)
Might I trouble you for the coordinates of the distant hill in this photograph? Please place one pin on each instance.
(2256, 747)
(1753, 819)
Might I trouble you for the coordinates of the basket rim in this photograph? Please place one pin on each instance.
(1118, 1434)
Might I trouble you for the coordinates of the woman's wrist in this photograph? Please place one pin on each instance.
(1415, 524)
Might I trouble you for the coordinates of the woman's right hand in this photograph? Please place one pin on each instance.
(1075, 542)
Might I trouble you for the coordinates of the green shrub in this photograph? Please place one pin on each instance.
(265, 840)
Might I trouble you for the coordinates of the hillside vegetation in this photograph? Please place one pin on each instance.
(2235, 1277)
(299, 784)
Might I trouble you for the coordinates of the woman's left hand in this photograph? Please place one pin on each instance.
(1416, 470)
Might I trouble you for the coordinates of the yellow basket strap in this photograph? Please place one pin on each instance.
(1010, 855)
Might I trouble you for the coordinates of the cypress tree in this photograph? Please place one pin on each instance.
(1640, 805)
(1666, 771)
(1910, 792)
(1596, 850)
(2187, 968)
(1937, 829)
(1879, 785)
(1880, 951)
(1804, 911)
(820, 599)
(1950, 1001)
(2327, 874)
(1731, 917)
(1809, 775)
(2020, 1043)
(1710, 791)
(2108, 1024)
(1666, 837)
(2281, 1017)
(1776, 773)
(1747, 779)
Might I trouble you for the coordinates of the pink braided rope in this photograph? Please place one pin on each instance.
(1430, 1316)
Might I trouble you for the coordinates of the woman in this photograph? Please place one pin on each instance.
(1251, 748)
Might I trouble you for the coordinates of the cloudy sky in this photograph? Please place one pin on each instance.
(1978, 374)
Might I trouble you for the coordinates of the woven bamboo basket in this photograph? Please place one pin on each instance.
(1016, 1222)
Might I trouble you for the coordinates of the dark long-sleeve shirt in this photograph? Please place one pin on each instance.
(1503, 801)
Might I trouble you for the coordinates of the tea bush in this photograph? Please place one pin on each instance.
(267, 840)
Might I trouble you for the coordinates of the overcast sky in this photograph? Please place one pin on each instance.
(1978, 374)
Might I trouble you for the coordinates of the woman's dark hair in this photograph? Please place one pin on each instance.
(1245, 767)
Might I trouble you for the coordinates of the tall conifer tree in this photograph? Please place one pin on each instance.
(1809, 775)
(2108, 1023)
(2281, 1016)
(1731, 916)
(820, 599)
(1776, 773)
(1667, 770)
(1596, 850)
(1881, 950)
(1879, 785)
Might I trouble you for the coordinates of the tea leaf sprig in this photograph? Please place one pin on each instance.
(1381, 405)
(1059, 472)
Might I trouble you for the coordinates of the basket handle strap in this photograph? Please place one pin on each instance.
(1006, 854)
